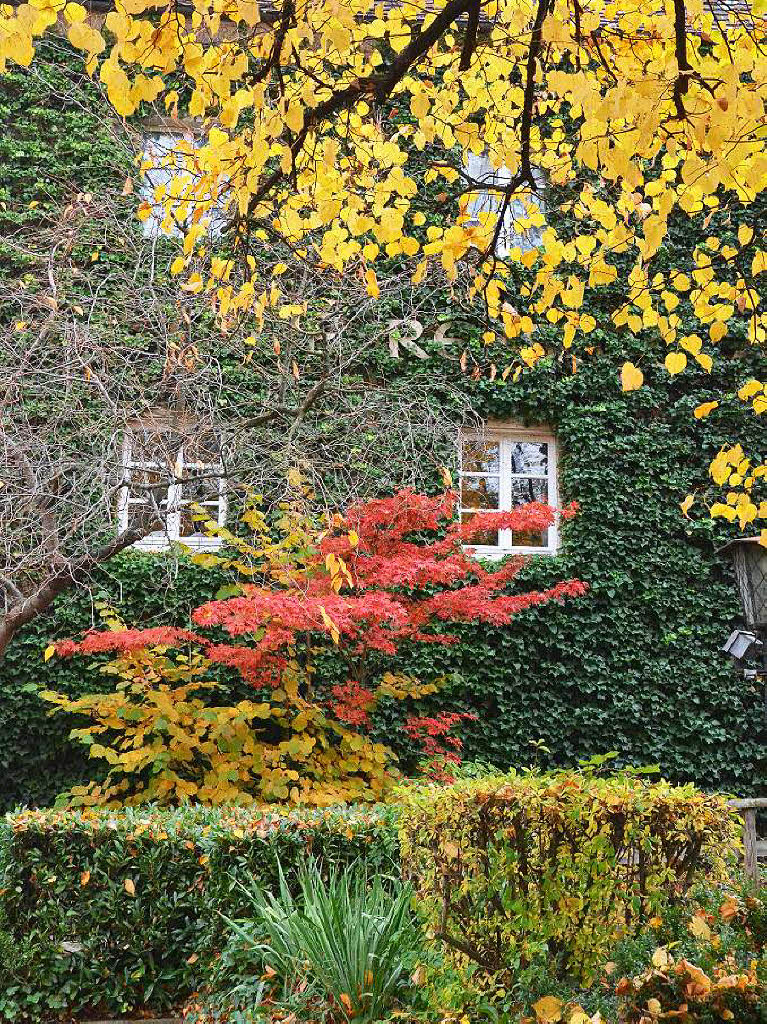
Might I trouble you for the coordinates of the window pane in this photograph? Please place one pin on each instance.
(489, 537)
(480, 492)
(529, 539)
(143, 517)
(189, 525)
(203, 449)
(170, 172)
(522, 493)
(143, 479)
(530, 457)
(197, 489)
(481, 457)
(525, 491)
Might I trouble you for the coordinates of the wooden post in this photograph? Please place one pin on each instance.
(750, 863)
(747, 809)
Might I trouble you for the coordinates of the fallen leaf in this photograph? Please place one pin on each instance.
(728, 909)
(700, 929)
(660, 957)
(129, 887)
(419, 975)
(85, 877)
(548, 1010)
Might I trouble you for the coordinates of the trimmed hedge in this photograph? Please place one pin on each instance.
(113, 912)
(514, 868)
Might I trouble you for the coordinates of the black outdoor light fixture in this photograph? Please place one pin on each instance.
(749, 560)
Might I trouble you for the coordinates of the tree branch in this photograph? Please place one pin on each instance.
(20, 614)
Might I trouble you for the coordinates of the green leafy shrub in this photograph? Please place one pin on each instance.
(116, 911)
(341, 945)
(513, 867)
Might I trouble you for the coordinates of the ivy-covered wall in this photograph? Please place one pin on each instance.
(633, 667)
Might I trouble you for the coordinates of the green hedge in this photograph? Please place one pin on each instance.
(114, 912)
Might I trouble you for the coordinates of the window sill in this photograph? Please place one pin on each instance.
(157, 545)
(496, 554)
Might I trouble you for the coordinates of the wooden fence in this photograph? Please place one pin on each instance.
(754, 849)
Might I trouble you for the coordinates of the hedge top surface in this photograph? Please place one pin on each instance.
(537, 789)
(191, 820)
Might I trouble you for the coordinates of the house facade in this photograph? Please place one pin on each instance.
(634, 667)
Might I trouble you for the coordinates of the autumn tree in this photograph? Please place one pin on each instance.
(391, 573)
(635, 114)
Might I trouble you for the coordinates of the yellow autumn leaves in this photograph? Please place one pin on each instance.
(293, 140)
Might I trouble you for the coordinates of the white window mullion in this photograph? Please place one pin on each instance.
(504, 501)
(222, 502)
(553, 496)
(173, 518)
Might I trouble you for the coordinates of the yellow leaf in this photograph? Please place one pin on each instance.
(372, 284)
(632, 377)
(353, 538)
(745, 234)
(420, 272)
(548, 1010)
(346, 1000)
(654, 1006)
(294, 117)
(686, 505)
(700, 929)
(701, 411)
(419, 105)
(675, 362)
(579, 1016)
(85, 877)
(749, 389)
(129, 887)
(50, 650)
(660, 957)
(717, 331)
(705, 361)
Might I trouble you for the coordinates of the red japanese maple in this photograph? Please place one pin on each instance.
(391, 572)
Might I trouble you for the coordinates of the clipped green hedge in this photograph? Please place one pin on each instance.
(117, 911)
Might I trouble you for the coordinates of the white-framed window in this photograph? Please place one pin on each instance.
(502, 467)
(164, 173)
(167, 476)
(524, 219)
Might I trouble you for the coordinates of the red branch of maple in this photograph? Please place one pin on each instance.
(408, 574)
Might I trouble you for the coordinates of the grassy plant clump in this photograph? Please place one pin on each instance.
(336, 947)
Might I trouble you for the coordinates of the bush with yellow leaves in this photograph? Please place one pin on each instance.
(510, 869)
